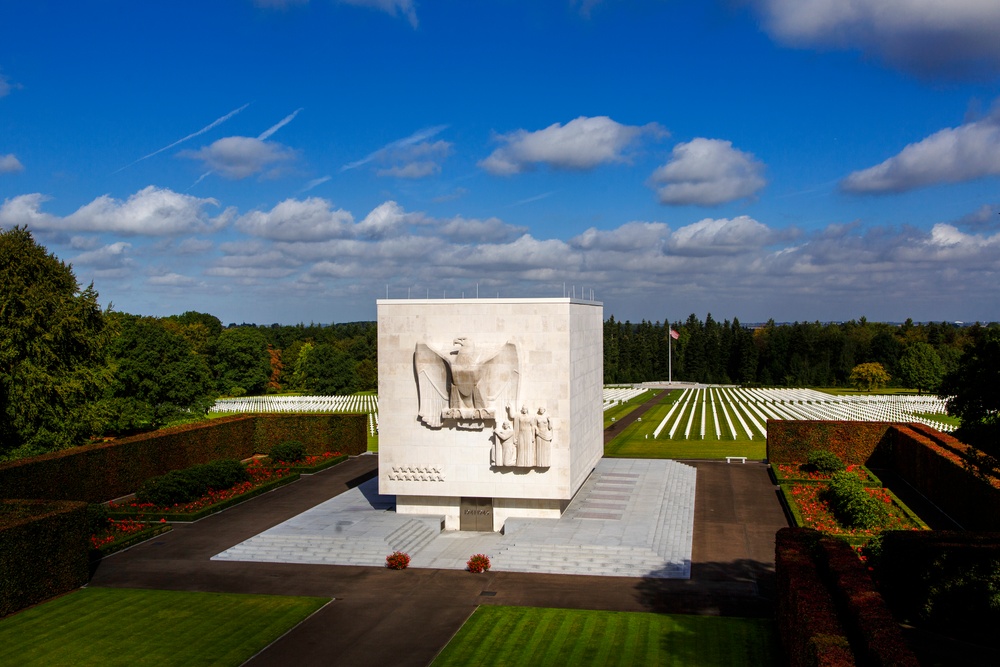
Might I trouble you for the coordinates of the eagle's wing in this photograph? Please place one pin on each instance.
(432, 371)
(500, 378)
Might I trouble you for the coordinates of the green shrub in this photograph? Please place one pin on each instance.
(182, 486)
(853, 506)
(825, 461)
(97, 518)
(291, 451)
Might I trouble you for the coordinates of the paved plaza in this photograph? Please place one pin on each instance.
(631, 518)
(383, 617)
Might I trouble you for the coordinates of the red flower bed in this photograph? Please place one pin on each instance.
(116, 530)
(307, 462)
(259, 475)
(796, 471)
(815, 512)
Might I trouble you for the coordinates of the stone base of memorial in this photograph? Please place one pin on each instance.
(263, 480)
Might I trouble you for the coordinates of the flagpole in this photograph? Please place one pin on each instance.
(670, 355)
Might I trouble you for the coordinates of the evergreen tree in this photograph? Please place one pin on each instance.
(53, 338)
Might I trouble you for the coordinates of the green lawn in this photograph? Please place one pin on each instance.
(110, 626)
(534, 636)
(636, 440)
(851, 391)
(937, 416)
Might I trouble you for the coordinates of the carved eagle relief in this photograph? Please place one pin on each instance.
(465, 385)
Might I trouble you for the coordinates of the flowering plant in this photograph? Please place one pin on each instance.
(259, 475)
(397, 560)
(478, 563)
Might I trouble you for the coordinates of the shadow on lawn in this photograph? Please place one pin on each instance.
(737, 588)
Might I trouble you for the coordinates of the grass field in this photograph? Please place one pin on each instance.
(110, 626)
(636, 440)
(619, 411)
(851, 391)
(533, 636)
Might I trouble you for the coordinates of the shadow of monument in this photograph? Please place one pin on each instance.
(737, 588)
(369, 489)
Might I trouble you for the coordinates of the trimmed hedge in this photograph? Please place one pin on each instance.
(854, 443)
(155, 514)
(101, 472)
(871, 627)
(948, 581)
(828, 609)
(345, 433)
(183, 486)
(44, 546)
(806, 615)
(934, 463)
(936, 467)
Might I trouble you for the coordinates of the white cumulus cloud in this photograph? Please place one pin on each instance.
(312, 219)
(951, 155)
(240, 157)
(720, 237)
(9, 164)
(707, 172)
(151, 211)
(927, 37)
(582, 143)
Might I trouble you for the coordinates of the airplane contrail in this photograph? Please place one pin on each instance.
(416, 137)
(280, 124)
(214, 123)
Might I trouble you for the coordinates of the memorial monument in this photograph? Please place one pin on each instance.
(488, 408)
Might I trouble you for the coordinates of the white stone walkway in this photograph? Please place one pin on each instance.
(631, 518)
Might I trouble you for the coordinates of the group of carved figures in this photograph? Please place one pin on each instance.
(525, 441)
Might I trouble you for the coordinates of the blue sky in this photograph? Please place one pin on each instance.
(286, 161)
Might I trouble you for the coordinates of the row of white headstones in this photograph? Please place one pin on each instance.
(358, 403)
(729, 411)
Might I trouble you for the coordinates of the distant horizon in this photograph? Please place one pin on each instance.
(761, 159)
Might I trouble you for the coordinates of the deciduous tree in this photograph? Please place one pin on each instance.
(869, 376)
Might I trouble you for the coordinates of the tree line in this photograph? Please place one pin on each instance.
(70, 371)
(801, 354)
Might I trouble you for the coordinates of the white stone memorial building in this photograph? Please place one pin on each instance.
(489, 408)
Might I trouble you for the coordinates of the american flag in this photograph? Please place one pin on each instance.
(674, 334)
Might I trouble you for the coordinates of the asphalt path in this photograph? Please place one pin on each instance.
(386, 617)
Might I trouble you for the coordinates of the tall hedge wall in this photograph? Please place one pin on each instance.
(44, 551)
(347, 434)
(936, 468)
(828, 609)
(854, 442)
(807, 620)
(97, 473)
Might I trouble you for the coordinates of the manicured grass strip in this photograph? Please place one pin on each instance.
(944, 419)
(111, 626)
(496, 635)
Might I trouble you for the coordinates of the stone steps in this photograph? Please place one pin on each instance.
(412, 536)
